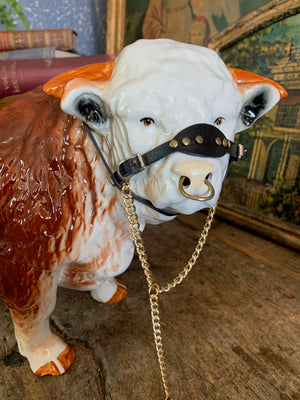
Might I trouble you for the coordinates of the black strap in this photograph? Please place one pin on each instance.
(202, 140)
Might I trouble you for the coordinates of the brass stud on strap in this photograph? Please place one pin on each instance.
(173, 144)
(186, 141)
(199, 139)
(224, 142)
(219, 141)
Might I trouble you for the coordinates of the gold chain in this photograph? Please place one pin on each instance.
(154, 289)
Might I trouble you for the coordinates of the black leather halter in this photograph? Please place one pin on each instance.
(202, 140)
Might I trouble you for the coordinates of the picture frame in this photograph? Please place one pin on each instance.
(265, 16)
(115, 26)
(259, 18)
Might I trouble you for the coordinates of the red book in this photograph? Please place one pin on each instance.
(65, 39)
(18, 76)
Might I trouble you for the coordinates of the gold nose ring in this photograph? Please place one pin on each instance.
(199, 198)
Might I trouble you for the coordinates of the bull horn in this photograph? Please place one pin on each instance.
(95, 72)
(242, 77)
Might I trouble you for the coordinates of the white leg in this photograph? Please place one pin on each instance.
(47, 354)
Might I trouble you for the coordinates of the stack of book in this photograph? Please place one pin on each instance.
(30, 58)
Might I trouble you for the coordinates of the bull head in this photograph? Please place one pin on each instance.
(89, 93)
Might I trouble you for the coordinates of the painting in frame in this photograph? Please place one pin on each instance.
(263, 194)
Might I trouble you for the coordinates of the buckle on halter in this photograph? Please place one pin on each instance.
(131, 166)
(237, 152)
(241, 153)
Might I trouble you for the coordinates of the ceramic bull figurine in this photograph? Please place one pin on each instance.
(163, 116)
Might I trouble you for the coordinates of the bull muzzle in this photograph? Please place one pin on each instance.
(202, 140)
(195, 178)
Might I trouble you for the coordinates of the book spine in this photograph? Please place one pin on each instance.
(64, 39)
(38, 52)
(19, 76)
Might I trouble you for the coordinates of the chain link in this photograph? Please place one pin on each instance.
(153, 288)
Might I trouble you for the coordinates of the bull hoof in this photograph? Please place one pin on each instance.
(111, 291)
(59, 365)
(120, 293)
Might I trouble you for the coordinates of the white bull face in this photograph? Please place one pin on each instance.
(158, 88)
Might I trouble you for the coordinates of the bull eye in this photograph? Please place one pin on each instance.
(219, 121)
(147, 121)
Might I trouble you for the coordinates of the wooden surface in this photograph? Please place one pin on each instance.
(231, 330)
(266, 226)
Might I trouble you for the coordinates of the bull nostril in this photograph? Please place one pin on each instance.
(186, 182)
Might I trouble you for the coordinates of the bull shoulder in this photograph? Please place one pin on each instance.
(42, 156)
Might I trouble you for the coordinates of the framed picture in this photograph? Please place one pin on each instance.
(263, 194)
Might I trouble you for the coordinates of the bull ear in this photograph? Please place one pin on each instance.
(95, 72)
(259, 96)
(80, 92)
(82, 98)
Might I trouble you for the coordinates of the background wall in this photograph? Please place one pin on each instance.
(86, 17)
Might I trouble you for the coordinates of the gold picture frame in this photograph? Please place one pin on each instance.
(263, 16)
(115, 26)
